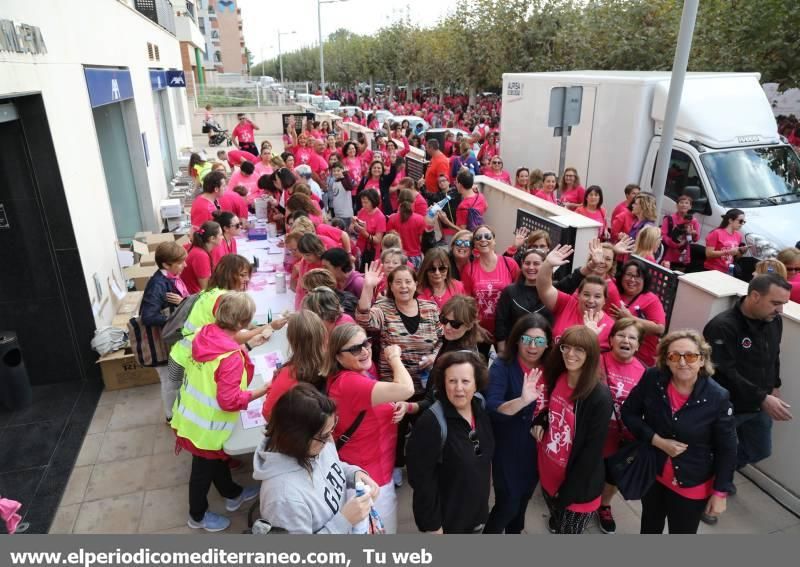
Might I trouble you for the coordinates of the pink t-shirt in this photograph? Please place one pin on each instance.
(353, 167)
(283, 381)
(202, 211)
(303, 267)
(573, 195)
(556, 445)
(245, 133)
(372, 446)
(198, 265)
(344, 319)
(599, 215)
(455, 288)
(619, 209)
(551, 197)
(330, 232)
(302, 155)
(719, 239)
(502, 175)
(232, 202)
(223, 248)
(648, 306)
(420, 205)
(567, 314)
(471, 202)
(667, 476)
(410, 232)
(376, 223)
(239, 178)
(262, 169)
(486, 287)
(795, 296)
(236, 157)
(621, 377)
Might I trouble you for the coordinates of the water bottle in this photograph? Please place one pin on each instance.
(732, 270)
(436, 208)
(361, 527)
(280, 282)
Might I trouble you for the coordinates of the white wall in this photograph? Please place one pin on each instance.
(97, 33)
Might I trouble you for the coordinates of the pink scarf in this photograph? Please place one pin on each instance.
(8, 512)
(179, 283)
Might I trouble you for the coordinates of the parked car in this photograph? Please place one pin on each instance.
(418, 125)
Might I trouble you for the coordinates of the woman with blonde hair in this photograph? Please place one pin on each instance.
(644, 210)
(308, 361)
(324, 301)
(460, 252)
(572, 192)
(790, 258)
(678, 408)
(770, 266)
(648, 243)
(322, 277)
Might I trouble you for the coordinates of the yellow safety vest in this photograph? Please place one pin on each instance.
(196, 415)
(202, 314)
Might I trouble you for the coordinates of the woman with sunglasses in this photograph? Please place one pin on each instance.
(511, 400)
(496, 171)
(303, 480)
(521, 298)
(622, 371)
(584, 308)
(571, 430)
(641, 305)
(684, 413)
(451, 480)
(724, 244)
(572, 192)
(369, 410)
(790, 258)
(231, 228)
(434, 281)
(487, 277)
(460, 253)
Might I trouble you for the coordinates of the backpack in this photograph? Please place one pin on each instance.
(474, 216)
(438, 412)
(146, 343)
(171, 331)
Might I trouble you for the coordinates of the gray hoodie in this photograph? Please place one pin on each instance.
(299, 502)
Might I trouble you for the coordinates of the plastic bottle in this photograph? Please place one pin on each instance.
(361, 527)
(732, 270)
(436, 208)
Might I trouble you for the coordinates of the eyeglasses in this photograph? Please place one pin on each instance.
(570, 348)
(632, 276)
(689, 357)
(454, 323)
(440, 269)
(462, 243)
(325, 437)
(483, 236)
(356, 349)
(536, 341)
(237, 225)
(741, 221)
(497, 163)
(476, 444)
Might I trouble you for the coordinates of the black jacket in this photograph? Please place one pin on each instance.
(154, 300)
(746, 356)
(516, 301)
(454, 494)
(705, 423)
(586, 474)
(385, 183)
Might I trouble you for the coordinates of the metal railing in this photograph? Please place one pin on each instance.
(161, 12)
(226, 93)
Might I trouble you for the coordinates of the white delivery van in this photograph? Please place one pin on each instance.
(726, 144)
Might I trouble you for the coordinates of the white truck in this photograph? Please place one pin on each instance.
(726, 144)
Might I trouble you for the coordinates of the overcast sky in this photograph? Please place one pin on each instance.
(263, 18)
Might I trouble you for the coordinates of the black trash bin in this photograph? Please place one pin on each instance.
(15, 388)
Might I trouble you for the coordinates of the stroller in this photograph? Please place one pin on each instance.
(218, 136)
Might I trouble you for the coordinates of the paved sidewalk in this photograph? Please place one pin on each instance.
(127, 479)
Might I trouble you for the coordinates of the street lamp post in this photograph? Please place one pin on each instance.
(280, 53)
(321, 51)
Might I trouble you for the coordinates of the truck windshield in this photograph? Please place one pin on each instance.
(754, 177)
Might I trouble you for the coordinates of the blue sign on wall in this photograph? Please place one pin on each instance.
(176, 79)
(108, 85)
(158, 79)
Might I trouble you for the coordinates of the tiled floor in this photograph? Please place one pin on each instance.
(128, 480)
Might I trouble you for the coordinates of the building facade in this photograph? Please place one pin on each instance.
(221, 23)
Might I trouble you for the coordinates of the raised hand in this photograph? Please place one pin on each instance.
(595, 251)
(591, 319)
(392, 353)
(520, 235)
(620, 311)
(373, 275)
(530, 386)
(625, 245)
(559, 255)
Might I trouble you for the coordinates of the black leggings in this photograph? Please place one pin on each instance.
(508, 512)
(204, 473)
(661, 504)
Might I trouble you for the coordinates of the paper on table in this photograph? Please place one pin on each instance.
(251, 417)
(265, 364)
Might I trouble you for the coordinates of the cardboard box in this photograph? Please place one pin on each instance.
(120, 370)
(140, 236)
(127, 308)
(183, 241)
(153, 240)
(139, 248)
(148, 259)
(139, 274)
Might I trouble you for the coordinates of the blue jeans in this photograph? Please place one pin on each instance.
(754, 431)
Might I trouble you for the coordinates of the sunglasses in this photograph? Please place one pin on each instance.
(497, 163)
(356, 349)
(483, 236)
(741, 221)
(689, 357)
(237, 225)
(454, 323)
(476, 444)
(440, 269)
(462, 243)
(793, 270)
(536, 341)
(325, 437)
(567, 348)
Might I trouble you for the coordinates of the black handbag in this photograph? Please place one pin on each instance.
(633, 468)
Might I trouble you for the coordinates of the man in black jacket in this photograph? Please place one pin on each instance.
(745, 342)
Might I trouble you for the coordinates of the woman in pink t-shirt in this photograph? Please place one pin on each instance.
(571, 430)
(352, 163)
(231, 228)
(311, 248)
(592, 207)
(496, 171)
(485, 278)
(199, 261)
(621, 372)
(434, 281)
(370, 222)
(324, 301)
(790, 258)
(549, 186)
(355, 389)
(521, 179)
(410, 226)
(585, 308)
(572, 192)
(724, 244)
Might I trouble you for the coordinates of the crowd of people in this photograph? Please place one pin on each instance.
(422, 353)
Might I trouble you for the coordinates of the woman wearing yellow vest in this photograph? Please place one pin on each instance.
(207, 408)
(231, 274)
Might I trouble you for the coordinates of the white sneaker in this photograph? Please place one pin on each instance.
(397, 476)
(211, 522)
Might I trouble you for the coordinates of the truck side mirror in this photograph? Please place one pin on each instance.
(699, 199)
